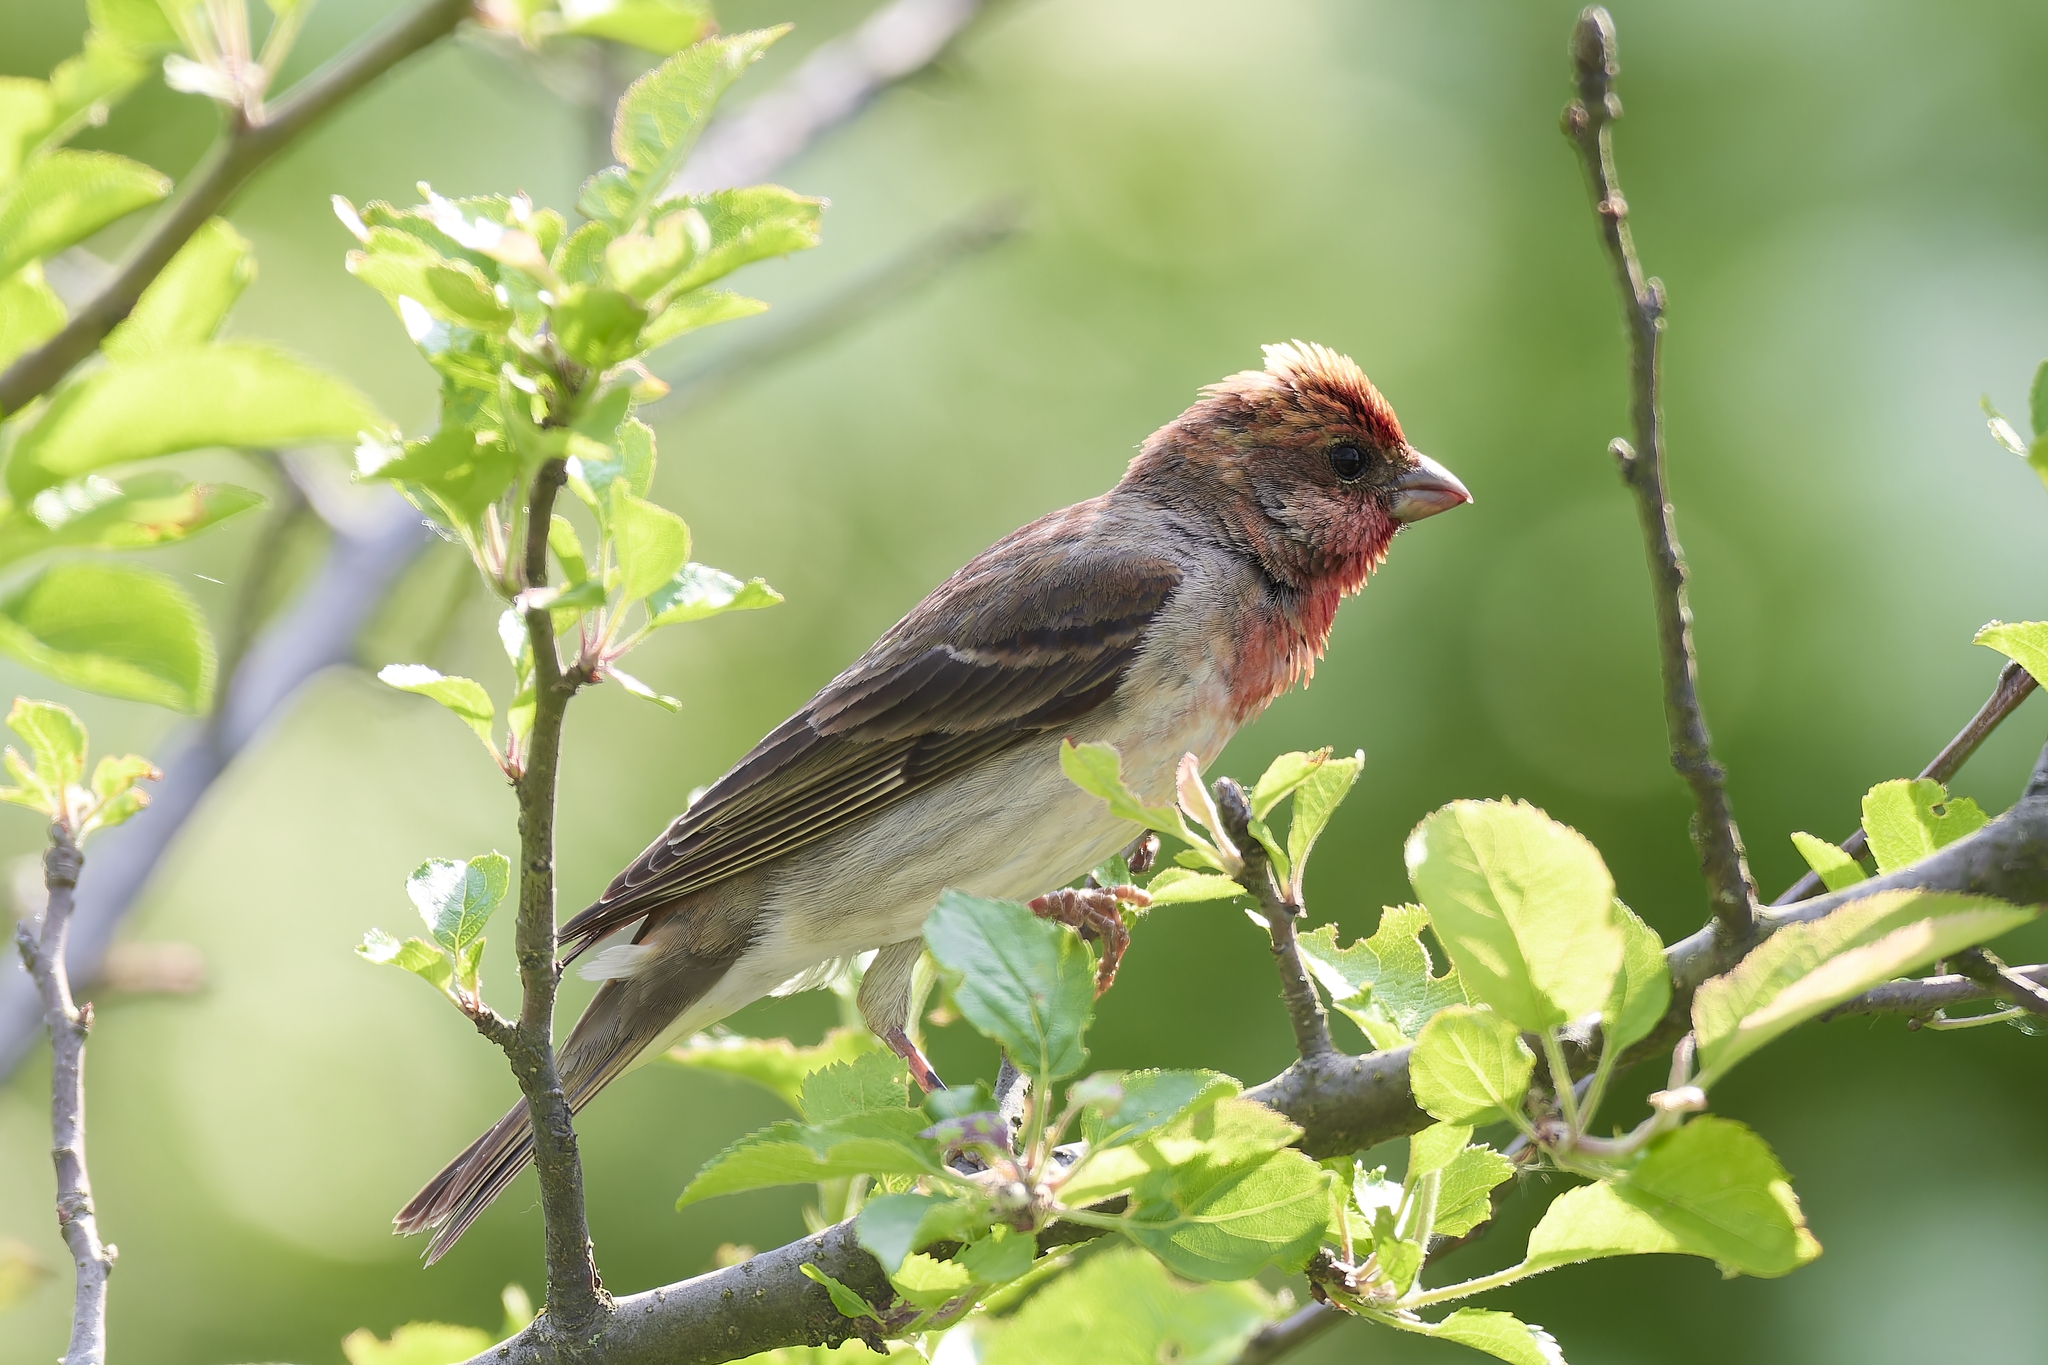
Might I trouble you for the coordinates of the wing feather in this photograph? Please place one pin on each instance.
(1034, 634)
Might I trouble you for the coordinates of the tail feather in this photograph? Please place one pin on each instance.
(620, 1022)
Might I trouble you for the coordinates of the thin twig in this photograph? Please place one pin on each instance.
(1299, 1328)
(1588, 122)
(1304, 1007)
(2014, 686)
(1983, 966)
(576, 1301)
(238, 154)
(68, 1025)
(1932, 993)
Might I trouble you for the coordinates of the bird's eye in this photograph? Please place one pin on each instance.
(1347, 462)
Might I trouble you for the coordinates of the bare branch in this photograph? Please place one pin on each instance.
(68, 1026)
(238, 154)
(2014, 686)
(829, 87)
(1932, 993)
(1588, 122)
(1299, 1328)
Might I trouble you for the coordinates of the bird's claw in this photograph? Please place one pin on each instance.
(1095, 913)
(920, 1070)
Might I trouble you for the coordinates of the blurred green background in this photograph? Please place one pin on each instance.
(1848, 205)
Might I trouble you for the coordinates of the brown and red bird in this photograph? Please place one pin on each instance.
(1159, 618)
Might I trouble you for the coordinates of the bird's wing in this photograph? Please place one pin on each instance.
(1023, 640)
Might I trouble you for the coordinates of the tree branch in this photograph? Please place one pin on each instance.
(1932, 993)
(1304, 1007)
(68, 1025)
(1588, 122)
(238, 154)
(2014, 686)
(827, 88)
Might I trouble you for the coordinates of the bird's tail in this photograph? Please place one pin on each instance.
(619, 1025)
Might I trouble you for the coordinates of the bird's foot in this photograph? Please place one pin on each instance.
(920, 1069)
(1095, 913)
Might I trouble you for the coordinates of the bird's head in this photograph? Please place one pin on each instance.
(1301, 465)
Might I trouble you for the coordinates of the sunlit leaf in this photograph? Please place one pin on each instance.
(1470, 1066)
(868, 1082)
(1384, 984)
(1711, 1189)
(789, 1153)
(698, 590)
(1642, 990)
(30, 312)
(747, 225)
(56, 741)
(775, 1064)
(650, 541)
(112, 629)
(1833, 864)
(1129, 1311)
(1523, 905)
(1908, 819)
(1464, 1197)
(657, 26)
(228, 394)
(1184, 886)
(1498, 1334)
(465, 697)
(698, 308)
(891, 1226)
(662, 114)
(1226, 1220)
(1315, 801)
(66, 196)
(456, 900)
(184, 305)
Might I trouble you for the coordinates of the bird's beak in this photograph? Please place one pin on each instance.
(1426, 489)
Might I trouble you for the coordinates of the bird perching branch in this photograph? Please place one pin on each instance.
(1304, 1007)
(243, 149)
(69, 1023)
(1588, 121)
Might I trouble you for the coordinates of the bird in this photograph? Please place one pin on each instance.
(1159, 617)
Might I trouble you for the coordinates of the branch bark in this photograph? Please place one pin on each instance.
(2014, 686)
(68, 1025)
(238, 154)
(1588, 122)
(1305, 1011)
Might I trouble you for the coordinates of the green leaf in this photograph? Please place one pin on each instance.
(133, 24)
(870, 1082)
(635, 686)
(1499, 1334)
(27, 110)
(1151, 1100)
(1836, 868)
(1434, 1148)
(112, 629)
(466, 698)
(1026, 983)
(111, 776)
(56, 742)
(929, 1285)
(849, 1304)
(230, 394)
(1315, 800)
(891, 1226)
(698, 308)
(662, 114)
(657, 26)
(568, 549)
(883, 1143)
(629, 464)
(30, 313)
(84, 85)
(641, 263)
(651, 543)
(1215, 1133)
(1098, 770)
(456, 900)
(775, 1064)
(416, 1343)
(64, 197)
(1907, 819)
(1470, 1066)
(184, 305)
(1464, 1197)
(1711, 1189)
(135, 514)
(1183, 886)
(1523, 905)
(1804, 970)
(456, 473)
(399, 265)
(1002, 1256)
(1281, 777)
(2037, 401)
(1642, 992)
(1128, 1311)
(2024, 642)
(1383, 983)
(748, 225)
(1220, 1220)
(425, 960)
(598, 327)
(698, 591)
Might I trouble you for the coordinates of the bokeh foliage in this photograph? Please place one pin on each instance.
(1846, 209)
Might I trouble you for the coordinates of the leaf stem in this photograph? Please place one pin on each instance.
(1588, 122)
(240, 151)
(1561, 1080)
(1499, 1279)
(1304, 1007)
